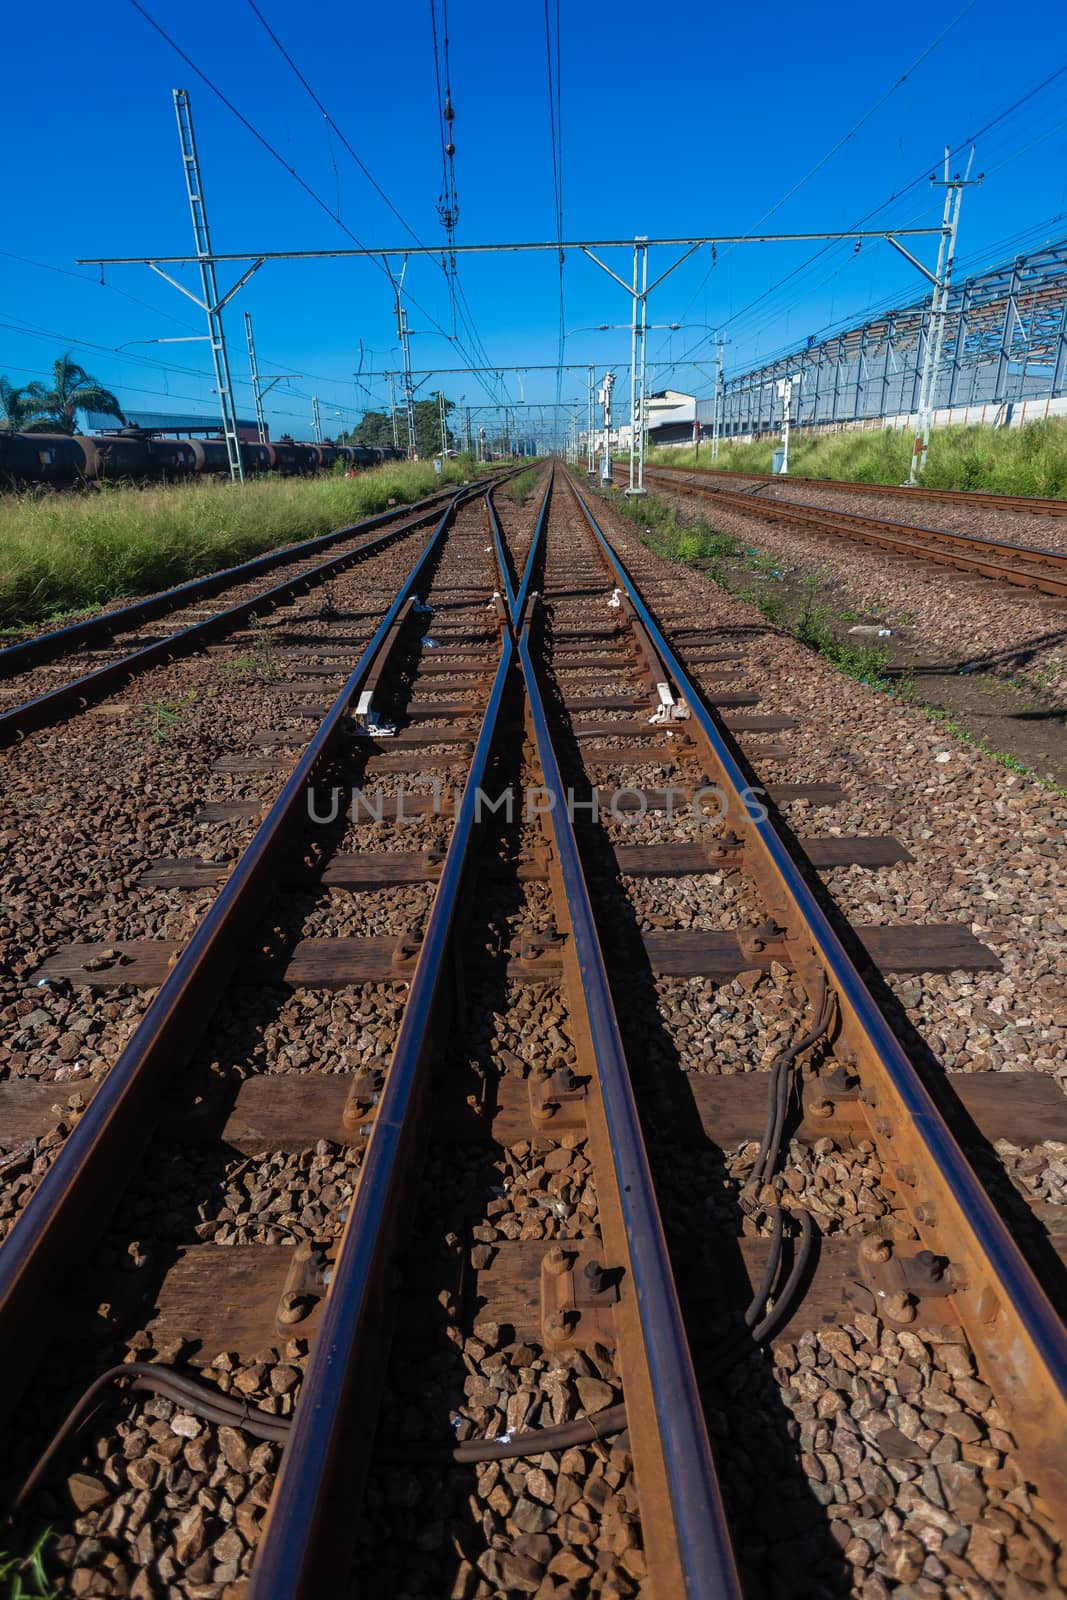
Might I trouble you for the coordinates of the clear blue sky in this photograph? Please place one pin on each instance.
(673, 121)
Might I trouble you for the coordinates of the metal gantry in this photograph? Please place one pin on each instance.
(1003, 347)
(639, 288)
(259, 388)
(211, 304)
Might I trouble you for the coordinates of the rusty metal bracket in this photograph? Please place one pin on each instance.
(305, 1289)
(767, 938)
(362, 1099)
(904, 1285)
(578, 1296)
(557, 1097)
(407, 948)
(528, 946)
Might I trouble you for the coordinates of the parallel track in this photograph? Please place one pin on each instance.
(1034, 504)
(1022, 566)
(54, 702)
(512, 657)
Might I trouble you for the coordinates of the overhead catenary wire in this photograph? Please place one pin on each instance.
(841, 142)
(556, 138)
(281, 160)
(920, 177)
(331, 123)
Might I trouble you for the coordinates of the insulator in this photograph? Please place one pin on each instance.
(449, 113)
(450, 150)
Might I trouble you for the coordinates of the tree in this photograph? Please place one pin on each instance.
(16, 405)
(73, 390)
(377, 428)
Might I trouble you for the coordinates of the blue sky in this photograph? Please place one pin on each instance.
(691, 121)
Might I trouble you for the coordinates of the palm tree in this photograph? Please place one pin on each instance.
(73, 390)
(16, 405)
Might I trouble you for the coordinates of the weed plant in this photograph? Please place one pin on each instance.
(68, 552)
(1027, 460)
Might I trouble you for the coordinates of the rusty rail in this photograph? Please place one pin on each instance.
(1020, 1343)
(80, 635)
(1025, 566)
(74, 1199)
(1041, 505)
(309, 1522)
(681, 1508)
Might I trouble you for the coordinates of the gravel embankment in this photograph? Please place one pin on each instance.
(954, 619)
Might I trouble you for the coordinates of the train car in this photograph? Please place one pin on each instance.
(56, 458)
(255, 457)
(284, 457)
(172, 459)
(137, 455)
(211, 456)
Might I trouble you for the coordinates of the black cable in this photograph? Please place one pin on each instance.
(319, 201)
(957, 150)
(206, 1402)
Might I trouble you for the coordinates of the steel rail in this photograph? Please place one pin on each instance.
(501, 554)
(309, 1522)
(670, 1409)
(75, 1197)
(79, 635)
(517, 601)
(968, 552)
(1040, 505)
(1020, 1341)
(50, 707)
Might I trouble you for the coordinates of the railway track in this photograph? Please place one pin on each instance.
(36, 686)
(1039, 504)
(1022, 566)
(394, 1178)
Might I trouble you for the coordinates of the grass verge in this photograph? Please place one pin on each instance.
(62, 553)
(521, 488)
(815, 624)
(1027, 460)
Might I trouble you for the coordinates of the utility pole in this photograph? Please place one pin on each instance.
(260, 389)
(605, 400)
(442, 422)
(716, 417)
(392, 412)
(316, 419)
(404, 336)
(409, 393)
(590, 428)
(785, 392)
(261, 426)
(639, 318)
(467, 430)
(935, 333)
(211, 303)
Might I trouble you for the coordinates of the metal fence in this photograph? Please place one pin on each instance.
(1005, 344)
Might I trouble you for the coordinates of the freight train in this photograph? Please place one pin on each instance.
(135, 455)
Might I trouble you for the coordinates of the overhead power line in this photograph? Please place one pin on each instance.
(280, 159)
(957, 150)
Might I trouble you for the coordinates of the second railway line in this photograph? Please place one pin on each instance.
(600, 697)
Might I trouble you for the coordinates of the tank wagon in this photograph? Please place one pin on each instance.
(137, 456)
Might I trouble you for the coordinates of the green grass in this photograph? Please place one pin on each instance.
(521, 488)
(13, 1570)
(1027, 460)
(69, 552)
(816, 626)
